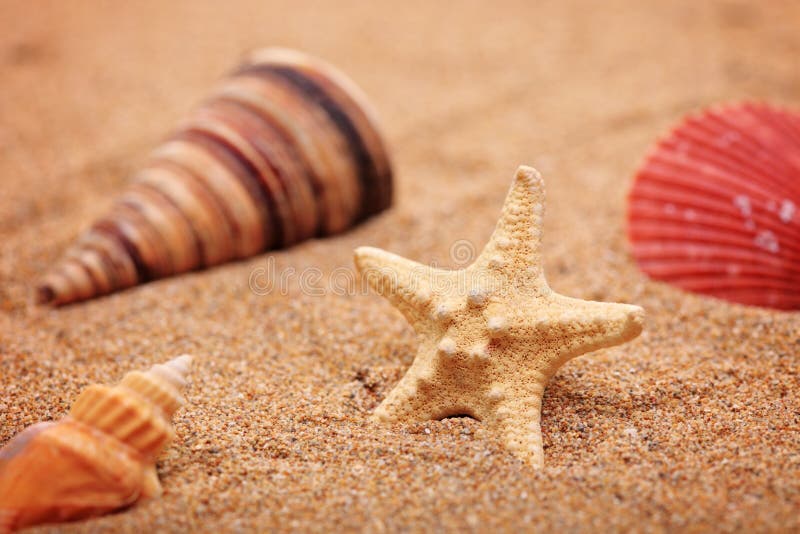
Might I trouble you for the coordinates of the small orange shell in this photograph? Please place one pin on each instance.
(715, 208)
(99, 458)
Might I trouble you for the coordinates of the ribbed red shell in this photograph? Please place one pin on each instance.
(715, 208)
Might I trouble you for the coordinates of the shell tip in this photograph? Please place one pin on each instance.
(174, 371)
(184, 361)
(181, 364)
(45, 294)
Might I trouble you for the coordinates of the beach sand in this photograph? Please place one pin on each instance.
(694, 425)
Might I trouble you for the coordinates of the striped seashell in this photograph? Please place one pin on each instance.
(99, 458)
(714, 208)
(285, 149)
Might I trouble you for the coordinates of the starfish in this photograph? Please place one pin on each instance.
(493, 334)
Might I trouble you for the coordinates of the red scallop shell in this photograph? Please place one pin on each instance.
(715, 208)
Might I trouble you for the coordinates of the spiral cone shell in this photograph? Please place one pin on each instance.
(99, 458)
(285, 149)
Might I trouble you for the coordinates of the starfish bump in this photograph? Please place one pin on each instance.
(492, 335)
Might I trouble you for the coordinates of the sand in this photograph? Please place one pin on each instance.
(695, 425)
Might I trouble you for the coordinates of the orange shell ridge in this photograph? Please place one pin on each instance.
(286, 149)
(715, 207)
(99, 458)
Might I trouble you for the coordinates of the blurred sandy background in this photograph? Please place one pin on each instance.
(694, 425)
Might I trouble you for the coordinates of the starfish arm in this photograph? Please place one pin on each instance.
(403, 282)
(408, 400)
(517, 419)
(597, 325)
(514, 247)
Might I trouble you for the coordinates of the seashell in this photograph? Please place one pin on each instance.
(99, 458)
(714, 208)
(285, 149)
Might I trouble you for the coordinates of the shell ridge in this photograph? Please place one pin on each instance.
(233, 145)
(227, 173)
